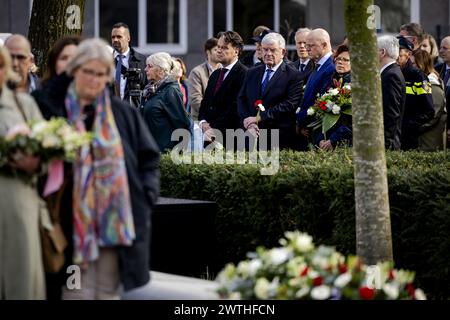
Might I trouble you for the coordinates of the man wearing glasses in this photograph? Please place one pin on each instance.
(20, 49)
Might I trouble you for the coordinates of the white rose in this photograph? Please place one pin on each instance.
(330, 105)
(38, 128)
(310, 112)
(419, 294)
(243, 268)
(261, 107)
(302, 292)
(333, 92)
(254, 266)
(321, 292)
(304, 243)
(278, 255)
(391, 290)
(262, 288)
(342, 280)
(347, 86)
(336, 109)
(50, 141)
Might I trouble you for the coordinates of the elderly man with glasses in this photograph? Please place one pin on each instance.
(20, 49)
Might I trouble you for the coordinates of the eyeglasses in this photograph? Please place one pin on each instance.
(19, 57)
(343, 60)
(93, 73)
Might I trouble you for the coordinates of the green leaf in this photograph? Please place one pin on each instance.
(328, 121)
(316, 124)
(347, 111)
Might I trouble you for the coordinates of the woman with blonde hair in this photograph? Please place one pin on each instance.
(429, 45)
(21, 268)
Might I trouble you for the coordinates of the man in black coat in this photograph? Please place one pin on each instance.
(278, 87)
(304, 64)
(393, 91)
(218, 109)
(126, 80)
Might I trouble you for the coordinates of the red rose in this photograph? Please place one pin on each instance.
(366, 293)
(257, 103)
(304, 272)
(323, 105)
(342, 268)
(317, 281)
(391, 275)
(410, 289)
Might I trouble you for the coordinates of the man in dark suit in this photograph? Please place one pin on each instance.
(319, 50)
(304, 64)
(444, 71)
(126, 58)
(218, 109)
(393, 90)
(278, 87)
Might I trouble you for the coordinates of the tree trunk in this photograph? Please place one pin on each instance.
(373, 225)
(50, 20)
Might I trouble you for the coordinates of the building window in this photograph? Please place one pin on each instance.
(113, 11)
(155, 25)
(283, 16)
(164, 21)
(394, 14)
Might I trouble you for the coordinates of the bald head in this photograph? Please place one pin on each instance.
(18, 40)
(20, 49)
(318, 44)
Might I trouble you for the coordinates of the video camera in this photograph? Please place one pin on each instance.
(134, 80)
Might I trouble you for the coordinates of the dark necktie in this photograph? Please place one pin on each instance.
(220, 80)
(266, 80)
(446, 77)
(302, 67)
(118, 74)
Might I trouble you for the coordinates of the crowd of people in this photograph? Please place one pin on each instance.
(132, 104)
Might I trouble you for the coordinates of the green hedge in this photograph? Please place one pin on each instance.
(313, 192)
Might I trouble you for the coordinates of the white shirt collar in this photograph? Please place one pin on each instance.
(126, 53)
(304, 62)
(229, 67)
(275, 68)
(386, 65)
(324, 59)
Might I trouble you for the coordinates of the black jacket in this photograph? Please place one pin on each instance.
(220, 110)
(419, 107)
(394, 95)
(280, 99)
(136, 61)
(141, 160)
(164, 113)
(441, 69)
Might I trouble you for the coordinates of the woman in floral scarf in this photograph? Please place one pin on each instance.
(115, 181)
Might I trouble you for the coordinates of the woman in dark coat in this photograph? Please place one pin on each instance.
(164, 109)
(341, 132)
(110, 235)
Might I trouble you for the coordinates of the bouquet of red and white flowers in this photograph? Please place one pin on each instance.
(329, 107)
(299, 270)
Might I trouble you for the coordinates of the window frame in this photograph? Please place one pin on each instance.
(144, 47)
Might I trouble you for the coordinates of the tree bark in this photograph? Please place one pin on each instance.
(373, 226)
(50, 20)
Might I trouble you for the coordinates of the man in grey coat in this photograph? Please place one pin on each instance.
(198, 78)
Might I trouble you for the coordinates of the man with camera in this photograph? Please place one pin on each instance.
(130, 79)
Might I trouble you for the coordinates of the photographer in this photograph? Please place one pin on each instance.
(130, 76)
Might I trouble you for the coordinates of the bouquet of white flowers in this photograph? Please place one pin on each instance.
(299, 270)
(53, 139)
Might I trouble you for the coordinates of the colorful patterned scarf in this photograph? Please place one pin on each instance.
(102, 214)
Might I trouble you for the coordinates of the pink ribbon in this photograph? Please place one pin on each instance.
(55, 177)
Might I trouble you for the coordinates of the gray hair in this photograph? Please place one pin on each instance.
(302, 30)
(274, 38)
(390, 44)
(163, 61)
(91, 49)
